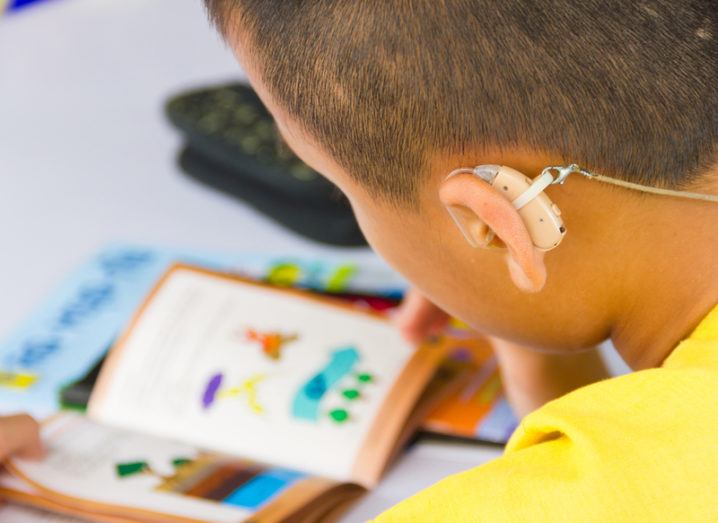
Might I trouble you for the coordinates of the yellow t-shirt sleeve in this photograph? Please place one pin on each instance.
(636, 448)
(506, 489)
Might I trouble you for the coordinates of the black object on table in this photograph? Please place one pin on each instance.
(233, 146)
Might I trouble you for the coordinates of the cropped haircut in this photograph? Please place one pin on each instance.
(625, 88)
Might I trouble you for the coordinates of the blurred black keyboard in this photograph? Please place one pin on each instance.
(232, 145)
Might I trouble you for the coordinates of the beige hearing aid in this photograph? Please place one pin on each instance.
(541, 216)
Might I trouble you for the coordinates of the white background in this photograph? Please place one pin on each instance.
(86, 157)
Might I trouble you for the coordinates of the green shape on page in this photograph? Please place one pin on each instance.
(351, 394)
(341, 277)
(180, 462)
(130, 469)
(365, 377)
(339, 415)
(284, 274)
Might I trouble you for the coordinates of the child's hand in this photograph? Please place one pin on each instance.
(20, 436)
(418, 318)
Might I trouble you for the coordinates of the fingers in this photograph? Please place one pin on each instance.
(20, 435)
(418, 318)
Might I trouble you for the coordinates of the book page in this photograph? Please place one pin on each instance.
(255, 371)
(20, 514)
(120, 473)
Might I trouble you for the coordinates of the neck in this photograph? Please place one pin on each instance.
(671, 282)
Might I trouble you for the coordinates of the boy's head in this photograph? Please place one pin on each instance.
(386, 98)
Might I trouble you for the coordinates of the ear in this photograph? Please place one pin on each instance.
(481, 212)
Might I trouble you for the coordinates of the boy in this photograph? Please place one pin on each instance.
(387, 98)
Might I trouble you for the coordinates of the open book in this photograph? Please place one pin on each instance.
(227, 400)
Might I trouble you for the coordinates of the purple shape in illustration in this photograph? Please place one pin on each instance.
(210, 392)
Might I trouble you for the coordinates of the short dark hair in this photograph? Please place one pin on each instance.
(625, 88)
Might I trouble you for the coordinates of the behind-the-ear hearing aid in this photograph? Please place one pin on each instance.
(540, 215)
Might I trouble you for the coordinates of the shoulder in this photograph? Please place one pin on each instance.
(638, 447)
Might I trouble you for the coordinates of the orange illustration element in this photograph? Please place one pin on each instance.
(462, 411)
(272, 343)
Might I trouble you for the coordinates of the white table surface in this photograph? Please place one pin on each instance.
(86, 158)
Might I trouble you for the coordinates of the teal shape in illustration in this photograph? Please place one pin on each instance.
(306, 402)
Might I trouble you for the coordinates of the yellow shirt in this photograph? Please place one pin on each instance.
(640, 447)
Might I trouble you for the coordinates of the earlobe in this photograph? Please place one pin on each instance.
(480, 212)
(529, 276)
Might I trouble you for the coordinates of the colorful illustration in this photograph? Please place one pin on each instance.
(284, 274)
(17, 380)
(350, 394)
(479, 408)
(317, 276)
(125, 470)
(133, 468)
(339, 280)
(246, 389)
(271, 342)
(214, 478)
(307, 401)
